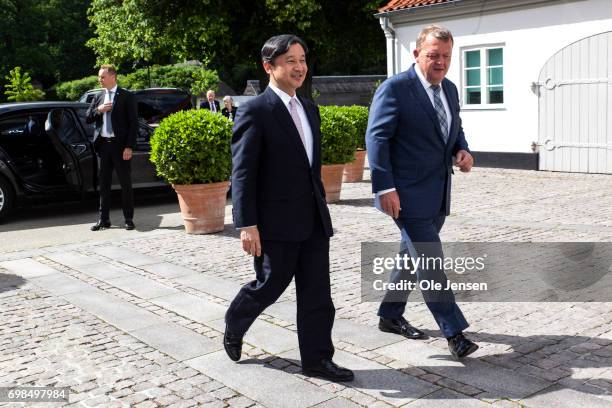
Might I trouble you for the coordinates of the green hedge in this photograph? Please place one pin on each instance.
(338, 131)
(359, 116)
(193, 147)
(196, 80)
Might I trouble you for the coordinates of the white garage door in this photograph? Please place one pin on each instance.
(575, 102)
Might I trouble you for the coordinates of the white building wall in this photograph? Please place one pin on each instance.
(530, 38)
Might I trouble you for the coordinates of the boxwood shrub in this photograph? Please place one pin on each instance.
(337, 128)
(193, 147)
(359, 116)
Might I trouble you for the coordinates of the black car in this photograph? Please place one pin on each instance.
(154, 104)
(46, 153)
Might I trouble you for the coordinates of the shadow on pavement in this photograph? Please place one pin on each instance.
(475, 371)
(10, 282)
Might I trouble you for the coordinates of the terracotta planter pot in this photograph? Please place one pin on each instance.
(202, 206)
(331, 175)
(353, 171)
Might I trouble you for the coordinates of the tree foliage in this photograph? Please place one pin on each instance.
(343, 35)
(20, 88)
(46, 38)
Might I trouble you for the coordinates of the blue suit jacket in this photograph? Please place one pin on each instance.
(273, 184)
(405, 145)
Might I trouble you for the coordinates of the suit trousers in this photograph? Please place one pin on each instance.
(308, 262)
(420, 238)
(110, 156)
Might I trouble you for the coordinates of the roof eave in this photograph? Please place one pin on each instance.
(415, 9)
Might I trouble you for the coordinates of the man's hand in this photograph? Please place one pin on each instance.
(464, 161)
(127, 153)
(251, 243)
(390, 203)
(105, 107)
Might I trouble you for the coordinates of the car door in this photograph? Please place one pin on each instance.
(143, 171)
(68, 140)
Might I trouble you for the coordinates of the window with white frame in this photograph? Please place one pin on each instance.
(483, 76)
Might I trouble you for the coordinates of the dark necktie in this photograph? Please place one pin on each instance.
(440, 112)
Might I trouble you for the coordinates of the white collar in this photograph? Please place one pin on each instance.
(285, 97)
(113, 90)
(426, 84)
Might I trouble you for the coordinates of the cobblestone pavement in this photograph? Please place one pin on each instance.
(138, 321)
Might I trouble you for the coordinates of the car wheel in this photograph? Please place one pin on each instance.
(7, 198)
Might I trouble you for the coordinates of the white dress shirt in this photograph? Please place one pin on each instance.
(303, 118)
(107, 98)
(430, 93)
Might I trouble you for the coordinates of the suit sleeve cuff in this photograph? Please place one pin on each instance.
(381, 192)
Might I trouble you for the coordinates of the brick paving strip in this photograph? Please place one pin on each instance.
(139, 322)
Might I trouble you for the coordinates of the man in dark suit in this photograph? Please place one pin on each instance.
(116, 124)
(210, 103)
(279, 207)
(414, 131)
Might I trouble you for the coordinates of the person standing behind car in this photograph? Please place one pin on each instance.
(229, 111)
(115, 116)
(210, 103)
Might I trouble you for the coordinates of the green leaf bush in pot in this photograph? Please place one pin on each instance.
(337, 148)
(191, 150)
(358, 115)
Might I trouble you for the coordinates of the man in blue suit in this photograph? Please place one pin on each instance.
(414, 131)
(279, 206)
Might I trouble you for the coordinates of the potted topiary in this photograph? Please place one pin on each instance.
(353, 171)
(191, 150)
(337, 148)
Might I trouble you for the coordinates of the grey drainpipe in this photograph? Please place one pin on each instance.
(389, 31)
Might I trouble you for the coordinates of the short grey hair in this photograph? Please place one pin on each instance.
(435, 31)
(227, 98)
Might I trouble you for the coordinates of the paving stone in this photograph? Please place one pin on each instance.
(504, 382)
(176, 341)
(445, 398)
(377, 380)
(27, 268)
(142, 287)
(337, 402)
(59, 284)
(559, 396)
(190, 306)
(240, 377)
(125, 256)
(264, 335)
(72, 259)
(209, 284)
(169, 270)
(367, 337)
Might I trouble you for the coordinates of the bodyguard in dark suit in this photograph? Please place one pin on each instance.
(210, 103)
(279, 206)
(414, 131)
(116, 124)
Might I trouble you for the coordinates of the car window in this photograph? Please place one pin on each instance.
(23, 126)
(89, 127)
(143, 137)
(66, 128)
(154, 106)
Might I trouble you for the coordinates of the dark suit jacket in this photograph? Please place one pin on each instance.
(124, 117)
(226, 113)
(273, 184)
(206, 105)
(405, 145)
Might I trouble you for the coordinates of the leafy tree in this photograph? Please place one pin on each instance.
(343, 35)
(20, 89)
(46, 38)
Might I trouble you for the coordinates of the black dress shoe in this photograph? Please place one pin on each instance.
(329, 370)
(232, 344)
(100, 225)
(460, 347)
(400, 326)
(129, 225)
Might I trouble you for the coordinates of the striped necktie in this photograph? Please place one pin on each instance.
(440, 112)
